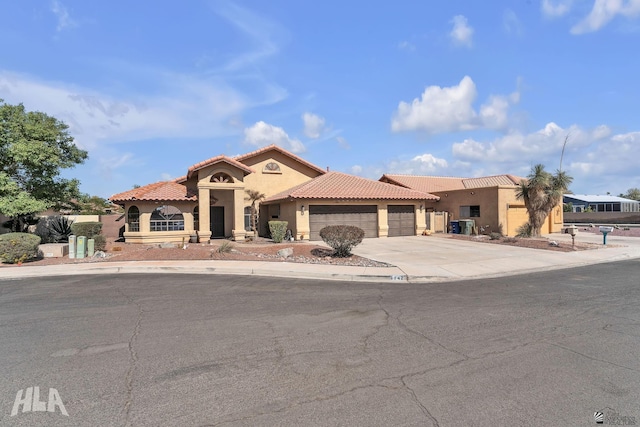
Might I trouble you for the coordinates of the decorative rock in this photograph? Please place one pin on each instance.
(99, 254)
(285, 252)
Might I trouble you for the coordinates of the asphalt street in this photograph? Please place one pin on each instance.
(195, 350)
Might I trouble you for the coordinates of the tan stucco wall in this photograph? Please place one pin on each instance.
(298, 221)
(486, 198)
(145, 235)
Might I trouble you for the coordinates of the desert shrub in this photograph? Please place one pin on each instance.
(495, 236)
(225, 247)
(18, 247)
(54, 229)
(342, 238)
(87, 229)
(278, 230)
(99, 242)
(525, 230)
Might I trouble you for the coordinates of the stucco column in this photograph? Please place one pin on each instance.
(238, 232)
(383, 221)
(421, 219)
(302, 222)
(204, 232)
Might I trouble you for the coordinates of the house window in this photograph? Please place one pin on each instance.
(133, 218)
(274, 211)
(247, 218)
(167, 218)
(196, 218)
(272, 167)
(221, 178)
(470, 211)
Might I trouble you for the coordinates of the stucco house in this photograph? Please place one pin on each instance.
(490, 200)
(210, 201)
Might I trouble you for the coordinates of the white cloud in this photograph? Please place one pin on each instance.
(603, 12)
(356, 169)
(343, 142)
(64, 19)
(188, 107)
(555, 9)
(544, 145)
(313, 125)
(462, 32)
(511, 23)
(450, 109)
(262, 134)
(407, 46)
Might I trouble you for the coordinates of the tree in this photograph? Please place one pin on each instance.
(632, 193)
(254, 196)
(34, 147)
(541, 192)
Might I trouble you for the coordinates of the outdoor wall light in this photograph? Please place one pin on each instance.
(302, 210)
(421, 208)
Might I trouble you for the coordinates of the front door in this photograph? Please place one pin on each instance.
(217, 221)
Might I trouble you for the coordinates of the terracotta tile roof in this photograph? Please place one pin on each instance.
(431, 184)
(218, 159)
(274, 147)
(491, 181)
(426, 184)
(338, 185)
(158, 191)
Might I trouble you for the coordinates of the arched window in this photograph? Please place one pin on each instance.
(196, 218)
(167, 218)
(221, 177)
(272, 167)
(133, 218)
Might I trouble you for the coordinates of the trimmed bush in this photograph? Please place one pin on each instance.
(87, 229)
(18, 247)
(525, 230)
(342, 238)
(99, 242)
(278, 230)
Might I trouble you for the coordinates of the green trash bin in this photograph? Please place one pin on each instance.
(466, 226)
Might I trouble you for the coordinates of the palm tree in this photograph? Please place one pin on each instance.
(541, 192)
(254, 196)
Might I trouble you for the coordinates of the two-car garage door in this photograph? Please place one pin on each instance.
(363, 216)
(402, 220)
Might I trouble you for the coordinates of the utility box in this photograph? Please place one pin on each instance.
(91, 245)
(72, 246)
(466, 225)
(81, 246)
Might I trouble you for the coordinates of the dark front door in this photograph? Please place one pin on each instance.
(217, 221)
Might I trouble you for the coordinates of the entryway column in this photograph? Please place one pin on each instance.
(238, 232)
(204, 232)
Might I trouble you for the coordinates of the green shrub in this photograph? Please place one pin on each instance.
(18, 247)
(87, 229)
(495, 236)
(99, 242)
(525, 230)
(54, 229)
(225, 247)
(278, 230)
(342, 238)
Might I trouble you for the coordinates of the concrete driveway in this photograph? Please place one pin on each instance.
(438, 257)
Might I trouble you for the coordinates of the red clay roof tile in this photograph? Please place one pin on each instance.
(158, 191)
(338, 185)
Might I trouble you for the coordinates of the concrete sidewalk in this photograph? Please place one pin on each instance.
(415, 259)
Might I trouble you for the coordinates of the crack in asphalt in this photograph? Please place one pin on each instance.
(591, 357)
(423, 408)
(133, 357)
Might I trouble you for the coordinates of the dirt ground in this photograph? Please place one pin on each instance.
(305, 252)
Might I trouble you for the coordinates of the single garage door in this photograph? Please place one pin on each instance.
(402, 220)
(365, 217)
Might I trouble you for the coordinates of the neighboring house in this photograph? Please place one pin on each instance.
(211, 201)
(593, 203)
(490, 201)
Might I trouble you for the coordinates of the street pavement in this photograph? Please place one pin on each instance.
(414, 259)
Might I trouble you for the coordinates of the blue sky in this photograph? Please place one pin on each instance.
(455, 88)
